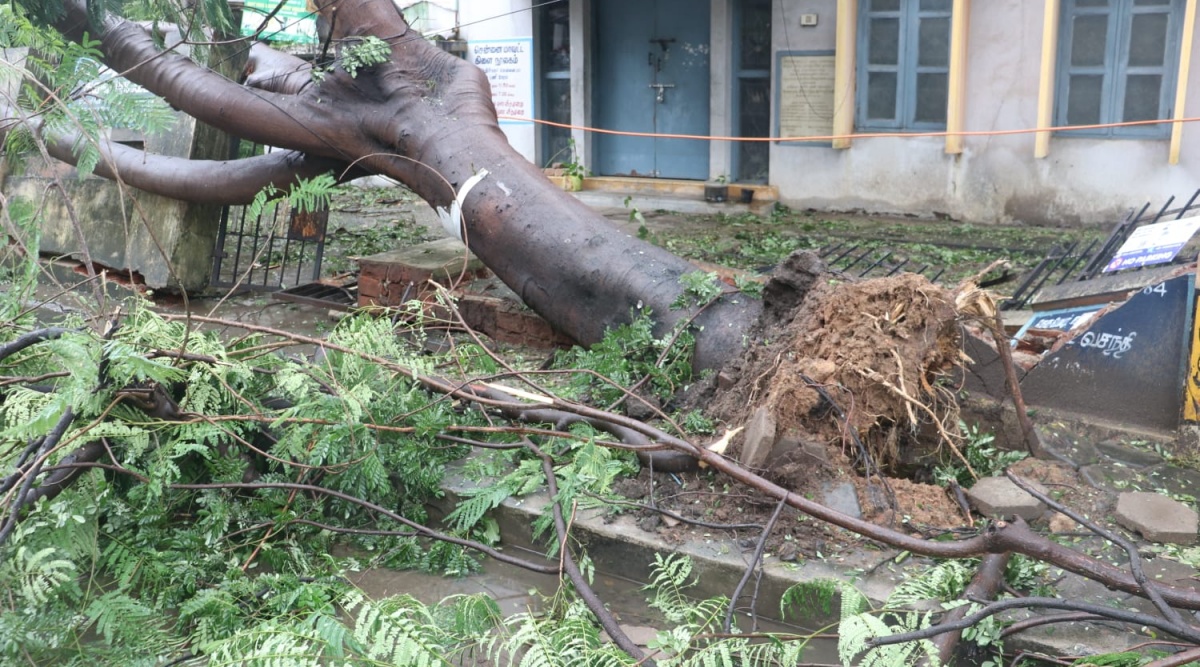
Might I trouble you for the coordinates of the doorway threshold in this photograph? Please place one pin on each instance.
(683, 196)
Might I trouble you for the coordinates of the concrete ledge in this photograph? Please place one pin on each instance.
(620, 548)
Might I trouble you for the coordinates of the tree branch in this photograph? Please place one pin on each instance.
(1110, 613)
(594, 603)
(998, 538)
(276, 71)
(286, 121)
(203, 181)
(985, 584)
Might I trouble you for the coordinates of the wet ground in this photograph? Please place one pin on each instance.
(518, 591)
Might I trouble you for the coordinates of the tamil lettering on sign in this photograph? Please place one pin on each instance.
(1154, 244)
(1066, 319)
(1128, 365)
(508, 64)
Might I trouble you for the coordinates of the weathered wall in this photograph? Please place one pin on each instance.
(169, 243)
(995, 179)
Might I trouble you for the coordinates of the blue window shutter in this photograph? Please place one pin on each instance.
(903, 65)
(1127, 75)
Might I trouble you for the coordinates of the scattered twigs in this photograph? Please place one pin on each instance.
(419, 529)
(1049, 619)
(1020, 657)
(752, 567)
(960, 499)
(1178, 660)
(49, 442)
(589, 597)
(986, 583)
(1013, 385)
(1000, 537)
(679, 517)
(1110, 613)
(980, 305)
(1135, 560)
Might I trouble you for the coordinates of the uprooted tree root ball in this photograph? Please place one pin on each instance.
(842, 370)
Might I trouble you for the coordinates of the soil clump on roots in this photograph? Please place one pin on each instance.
(858, 379)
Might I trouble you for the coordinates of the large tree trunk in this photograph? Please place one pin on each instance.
(426, 119)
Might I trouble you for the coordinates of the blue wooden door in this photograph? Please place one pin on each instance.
(652, 76)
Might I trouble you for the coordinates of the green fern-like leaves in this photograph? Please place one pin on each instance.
(365, 53)
(36, 574)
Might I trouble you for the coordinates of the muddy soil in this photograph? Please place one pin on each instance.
(857, 383)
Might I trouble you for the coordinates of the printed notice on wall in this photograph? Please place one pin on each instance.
(508, 64)
(806, 95)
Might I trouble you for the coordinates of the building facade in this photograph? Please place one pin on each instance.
(925, 107)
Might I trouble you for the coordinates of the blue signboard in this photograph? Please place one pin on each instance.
(1127, 366)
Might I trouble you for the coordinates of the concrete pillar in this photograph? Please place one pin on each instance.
(581, 77)
(720, 157)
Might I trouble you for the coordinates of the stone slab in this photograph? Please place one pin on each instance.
(1157, 517)
(999, 497)
(1136, 456)
(759, 438)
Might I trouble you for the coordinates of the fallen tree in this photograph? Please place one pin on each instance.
(425, 118)
(177, 453)
(270, 456)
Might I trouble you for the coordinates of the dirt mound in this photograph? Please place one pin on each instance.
(854, 367)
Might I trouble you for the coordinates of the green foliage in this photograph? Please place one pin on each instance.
(627, 354)
(1124, 659)
(696, 422)
(808, 597)
(1027, 574)
(907, 609)
(584, 473)
(365, 53)
(147, 568)
(309, 194)
(985, 458)
(699, 289)
(749, 286)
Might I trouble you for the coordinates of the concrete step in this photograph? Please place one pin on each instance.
(674, 195)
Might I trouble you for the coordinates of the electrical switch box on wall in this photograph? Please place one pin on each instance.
(808, 20)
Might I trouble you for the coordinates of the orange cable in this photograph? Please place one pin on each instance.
(865, 135)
